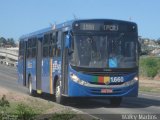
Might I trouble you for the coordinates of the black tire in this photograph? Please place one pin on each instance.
(116, 101)
(58, 93)
(30, 90)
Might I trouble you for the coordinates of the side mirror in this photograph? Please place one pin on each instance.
(67, 41)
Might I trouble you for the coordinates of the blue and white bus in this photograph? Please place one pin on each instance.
(95, 58)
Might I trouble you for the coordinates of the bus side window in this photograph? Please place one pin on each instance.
(29, 43)
(45, 51)
(29, 48)
(34, 42)
(53, 40)
(46, 39)
(58, 44)
(46, 42)
(29, 53)
(34, 47)
(58, 52)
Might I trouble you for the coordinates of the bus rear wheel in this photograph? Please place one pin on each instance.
(58, 93)
(116, 101)
(31, 91)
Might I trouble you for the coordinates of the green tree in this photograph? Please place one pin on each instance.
(4, 104)
(2, 41)
(149, 66)
(158, 41)
(10, 41)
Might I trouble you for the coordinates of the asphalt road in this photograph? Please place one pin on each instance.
(143, 105)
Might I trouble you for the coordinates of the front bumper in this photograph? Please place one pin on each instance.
(77, 90)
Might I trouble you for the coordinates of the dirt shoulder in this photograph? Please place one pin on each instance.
(149, 85)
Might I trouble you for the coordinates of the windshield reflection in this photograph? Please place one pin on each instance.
(105, 51)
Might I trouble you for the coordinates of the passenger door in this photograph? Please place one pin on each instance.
(39, 63)
(64, 64)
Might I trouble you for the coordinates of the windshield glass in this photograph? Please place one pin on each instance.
(104, 51)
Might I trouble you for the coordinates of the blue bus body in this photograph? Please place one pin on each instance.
(54, 53)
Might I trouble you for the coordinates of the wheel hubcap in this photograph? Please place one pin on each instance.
(57, 91)
(30, 87)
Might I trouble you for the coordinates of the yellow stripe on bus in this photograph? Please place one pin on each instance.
(106, 80)
(39, 91)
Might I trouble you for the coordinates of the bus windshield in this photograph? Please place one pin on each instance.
(104, 51)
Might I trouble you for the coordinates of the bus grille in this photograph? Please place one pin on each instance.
(107, 73)
(96, 83)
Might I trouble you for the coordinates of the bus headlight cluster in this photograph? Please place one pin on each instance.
(131, 82)
(77, 80)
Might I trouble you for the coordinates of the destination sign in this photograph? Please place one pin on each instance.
(96, 27)
(112, 27)
(88, 26)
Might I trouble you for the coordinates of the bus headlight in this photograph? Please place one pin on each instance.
(77, 80)
(136, 78)
(131, 82)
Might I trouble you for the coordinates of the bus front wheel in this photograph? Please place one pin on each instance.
(116, 101)
(58, 93)
(31, 91)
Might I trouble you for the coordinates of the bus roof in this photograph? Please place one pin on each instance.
(66, 24)
(45, 30)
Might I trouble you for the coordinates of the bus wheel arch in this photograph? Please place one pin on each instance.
(29, 75)
(31, 91)
(57, 90)
(56, 78)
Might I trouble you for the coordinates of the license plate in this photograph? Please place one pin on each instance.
(106, 91)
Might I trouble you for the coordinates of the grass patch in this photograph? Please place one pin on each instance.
(22, 110)
(19, 111)
(149, 66)
(31, 109)
(25, 112)
(63, 116)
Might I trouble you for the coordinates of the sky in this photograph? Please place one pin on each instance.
(19, 17)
